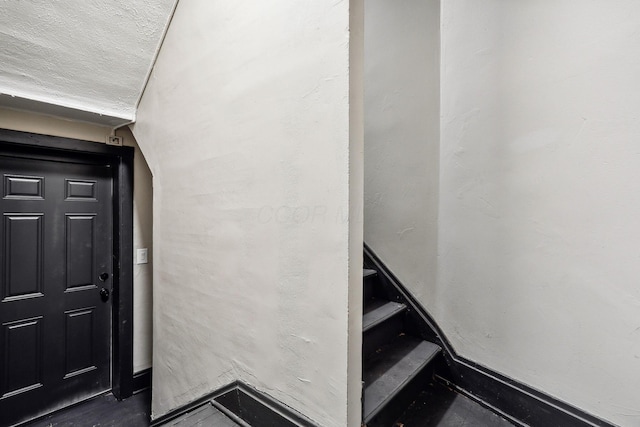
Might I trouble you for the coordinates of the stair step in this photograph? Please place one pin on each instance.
(377, 311)
(379, 337)
(366, 272)
(388, 372)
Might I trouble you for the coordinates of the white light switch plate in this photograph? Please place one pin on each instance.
(142, 256)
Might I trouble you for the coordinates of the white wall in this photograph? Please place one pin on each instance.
(246, 127)
(539, 196)
(402, 49)
(538, 234)
(49, 125)
(142, 215)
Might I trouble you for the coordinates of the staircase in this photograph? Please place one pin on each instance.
(397, 363)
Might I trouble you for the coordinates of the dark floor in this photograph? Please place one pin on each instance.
(436, 407)
(440, 407)
(203, 416)
(106, 411)
(102, 411)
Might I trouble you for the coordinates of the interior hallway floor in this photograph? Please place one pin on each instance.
(435, 407)
(102, 411)
(439, 406)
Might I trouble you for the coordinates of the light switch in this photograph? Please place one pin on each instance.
(142, 256)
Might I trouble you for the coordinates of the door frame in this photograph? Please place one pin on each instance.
(121, 161)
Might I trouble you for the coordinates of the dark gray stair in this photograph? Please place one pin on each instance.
(396, 365)
(382, 321)
(390, 371)
(377, 311)
(369, 283)
(439, 406)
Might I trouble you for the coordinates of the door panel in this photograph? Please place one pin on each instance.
(80, 250)
(22, 364)
(56, 241)
(79, 338)
(81, 190)
(23, 242)
(19, 187)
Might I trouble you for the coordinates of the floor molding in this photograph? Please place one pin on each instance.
(142, 380)
(258, 408)
(511, 399)
(245, 405)
(184, 409)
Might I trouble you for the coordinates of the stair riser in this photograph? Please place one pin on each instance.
(396, 407)
(381, 334)
(370, 287)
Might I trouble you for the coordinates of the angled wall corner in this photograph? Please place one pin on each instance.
(245, 123)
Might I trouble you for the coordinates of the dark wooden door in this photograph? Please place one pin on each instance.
(55, 272)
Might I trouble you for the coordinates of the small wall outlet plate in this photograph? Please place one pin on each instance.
(114, 140)
(142, 256)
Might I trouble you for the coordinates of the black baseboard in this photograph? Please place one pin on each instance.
(178, 412)
(246, 406)
(259, 409)
(141, 380)
(509, 398)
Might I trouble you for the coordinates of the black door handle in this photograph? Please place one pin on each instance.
(104, 294)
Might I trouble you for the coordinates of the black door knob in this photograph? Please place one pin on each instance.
(104, 294)
(103, 277)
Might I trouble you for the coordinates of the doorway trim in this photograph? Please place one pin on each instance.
(121, 160)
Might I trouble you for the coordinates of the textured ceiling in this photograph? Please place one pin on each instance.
(86, 59)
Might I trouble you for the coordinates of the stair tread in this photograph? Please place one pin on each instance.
(377, 311)
(394, 366)
(366, 272)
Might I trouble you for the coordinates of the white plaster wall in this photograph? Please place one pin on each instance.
(402, 50)
(245, 123)
(539, 239)
(142, 214)
(537, 230)
(49, 125)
